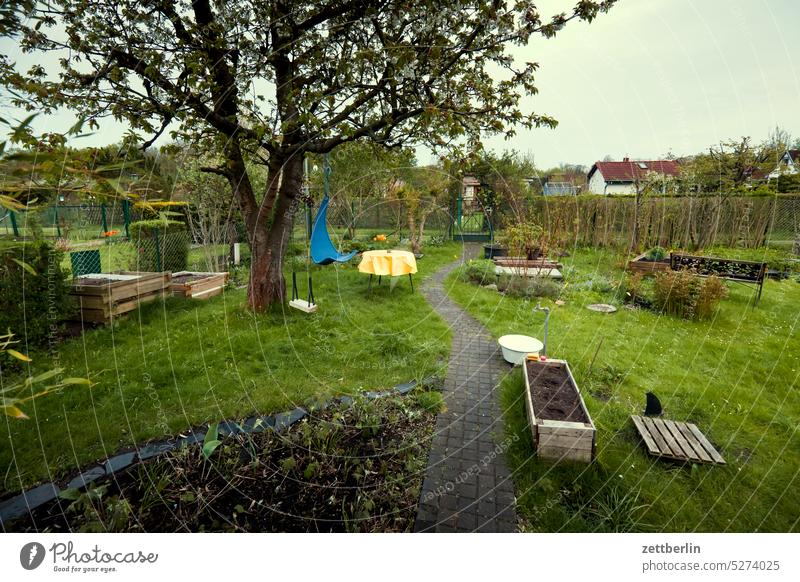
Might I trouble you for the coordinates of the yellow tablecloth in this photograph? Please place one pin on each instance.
(385, 263)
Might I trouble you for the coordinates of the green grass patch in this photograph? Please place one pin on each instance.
(735, 376)
(179, 363)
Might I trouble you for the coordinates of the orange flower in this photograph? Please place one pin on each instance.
(110, 233)
(380, 237)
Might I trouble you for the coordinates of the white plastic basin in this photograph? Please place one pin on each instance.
(516, 347)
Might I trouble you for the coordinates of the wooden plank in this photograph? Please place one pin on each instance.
(687, 449)
(208, 293)
(572, 432)
(696, 446)
(706, 445)
(556, 440)
(652, 447)
(663, 448)
(676, 450)
(561, 454)
(562, 424)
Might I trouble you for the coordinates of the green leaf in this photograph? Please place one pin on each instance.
(18, 355)
(211, 441)
(70, 494)
(70, 381)
(25, 266)
(13, 412)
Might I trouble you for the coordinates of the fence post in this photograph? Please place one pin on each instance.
(126, 217)
(103, 217)
(14, 226)
(55, 218)
(158, 250)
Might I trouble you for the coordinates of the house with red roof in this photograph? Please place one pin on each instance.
(619, 178)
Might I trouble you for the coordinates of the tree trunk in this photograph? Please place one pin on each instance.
(267, 283)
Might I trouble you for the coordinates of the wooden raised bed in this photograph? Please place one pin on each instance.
(523, 263)
(561, 426)
(103, 296)
(641, 264)
(198, 285)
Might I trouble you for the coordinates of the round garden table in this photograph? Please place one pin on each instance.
(390, 263)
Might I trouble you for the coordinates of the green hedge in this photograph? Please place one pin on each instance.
(160, 245)
(33, 307)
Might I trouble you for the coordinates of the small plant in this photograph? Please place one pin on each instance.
(619, 512)
(527, 287)
(480, 271)
(656, 254)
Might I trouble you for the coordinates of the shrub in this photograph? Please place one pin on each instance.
(480, 271)
(712, 291)
(656, 254)
(685, 295)
(526, 287)
(525, 239)
(632, 289)
(33, 306)
(161, 245)
(673, 292)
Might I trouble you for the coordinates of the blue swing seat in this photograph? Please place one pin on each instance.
(322, 250)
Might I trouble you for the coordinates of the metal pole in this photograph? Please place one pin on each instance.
(14, 226)
(103, 217)
(126, 215)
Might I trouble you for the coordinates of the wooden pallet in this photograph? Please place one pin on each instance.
(680, 441)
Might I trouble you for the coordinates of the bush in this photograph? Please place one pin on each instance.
(711, 291)
(161, 245)
(685, 295)
(656, 254)
(33, 306)
(480, 271)
(527, 287)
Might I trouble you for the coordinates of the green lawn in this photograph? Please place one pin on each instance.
(180, 363)
(736, 377)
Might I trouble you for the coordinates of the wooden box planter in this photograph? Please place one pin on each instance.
(641, 264)
(103, 296)
(524, 263)
(561, 425)
(198, 285)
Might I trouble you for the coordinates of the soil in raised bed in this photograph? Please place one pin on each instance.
(553, 394)
(93, 282)
(189, 277)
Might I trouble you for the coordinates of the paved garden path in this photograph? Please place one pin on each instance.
(467, 484)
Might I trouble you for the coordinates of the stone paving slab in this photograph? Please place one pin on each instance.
(467, 485)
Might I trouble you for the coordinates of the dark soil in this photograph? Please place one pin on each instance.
(92, 281)
(190, 277)
(553, 393)
(646, 260)
(356, 468)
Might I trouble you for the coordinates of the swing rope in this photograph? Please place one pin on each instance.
(307, 196)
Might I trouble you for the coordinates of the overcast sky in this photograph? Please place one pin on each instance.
(650, 77)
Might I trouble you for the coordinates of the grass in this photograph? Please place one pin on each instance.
(180, 363)
(735, 377)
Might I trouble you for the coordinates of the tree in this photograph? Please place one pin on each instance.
(362, 175)
(422, 192)
(334, 71)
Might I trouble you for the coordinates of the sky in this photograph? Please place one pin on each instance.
(648, 78)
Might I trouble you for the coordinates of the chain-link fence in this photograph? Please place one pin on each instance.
(73, 222)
